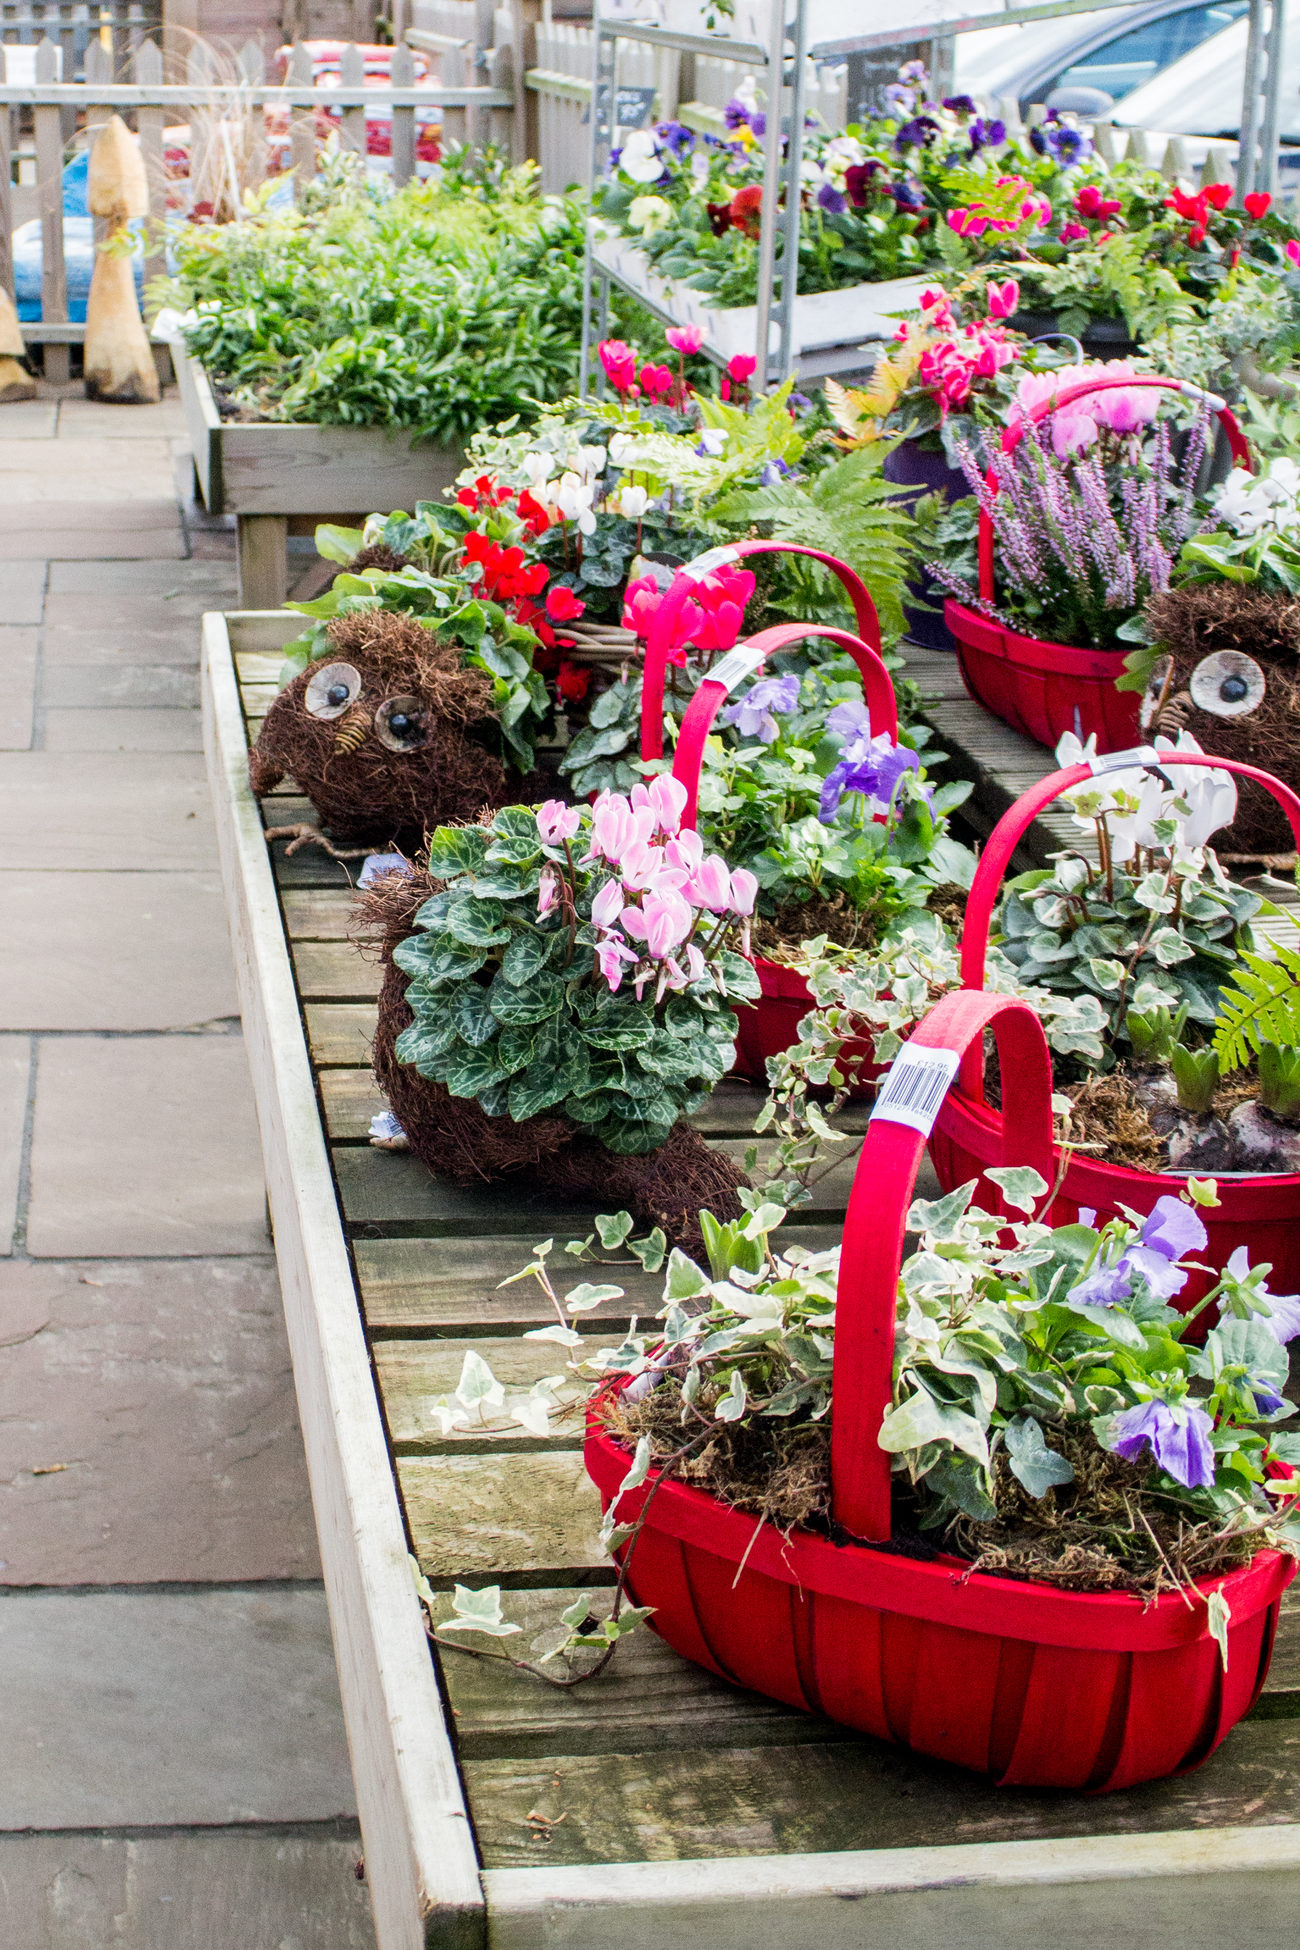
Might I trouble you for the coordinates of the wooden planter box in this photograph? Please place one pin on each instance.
(658, 1806)
(277, 478)
(824, 321)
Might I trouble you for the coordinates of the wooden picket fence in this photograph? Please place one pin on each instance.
(76, 25)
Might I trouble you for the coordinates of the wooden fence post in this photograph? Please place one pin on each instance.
(49, 186)
(6, 194)
(252, 68)
(404, 131)
(302, 124)
(352, 74)
(451, 70)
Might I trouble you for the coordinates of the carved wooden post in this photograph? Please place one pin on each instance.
(119, 362)
(302, 123)
(404, 137)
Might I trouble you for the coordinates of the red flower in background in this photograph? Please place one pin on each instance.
(505, 575)
(1091, 203)
(1257, 204)
(572, 682)
(535, 517)
(486, 492)
(562, 606)
(746, 209)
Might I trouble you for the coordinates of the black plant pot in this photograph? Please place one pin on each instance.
(926, 469)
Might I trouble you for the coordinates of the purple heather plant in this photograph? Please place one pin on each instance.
(1082, 540)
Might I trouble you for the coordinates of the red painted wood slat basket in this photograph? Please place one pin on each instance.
(1040, 688)
(771, 1024)
(1261, 1213)
(1035, 1686)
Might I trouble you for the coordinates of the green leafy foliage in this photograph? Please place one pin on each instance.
(1260, 1005)
(511, 1007)
(431, 310)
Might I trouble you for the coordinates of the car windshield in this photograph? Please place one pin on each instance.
(1125, 63)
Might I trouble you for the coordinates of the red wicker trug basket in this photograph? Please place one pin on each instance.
(1035, 1686)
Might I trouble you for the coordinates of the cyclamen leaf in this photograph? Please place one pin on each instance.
(543, 997)
(470, 1070)
(470, 1015)
(423, 1041)
(457, 849)
(477, 922)
(527, 953)
(438, 959)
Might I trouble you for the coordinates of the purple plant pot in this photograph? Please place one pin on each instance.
(909, 464)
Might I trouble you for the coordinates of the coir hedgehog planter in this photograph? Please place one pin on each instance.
(556, 1001)
(1226, 668)
(1041, 688)
(784, 997)
(380, 735)
(1035, 1684)
(1260, 1212)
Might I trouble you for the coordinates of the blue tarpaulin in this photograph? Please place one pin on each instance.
(78, 250)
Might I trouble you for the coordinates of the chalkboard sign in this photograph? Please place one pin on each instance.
(635, 107)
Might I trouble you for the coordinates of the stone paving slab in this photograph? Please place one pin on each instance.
(17, 686)
(157, 729)
(114, 951)
(145, 1146)
(115, 686)
(225, 1889)
(116, 467)
(103, 544)
(29, 419)
(123, 1710)
(138, 584)
(119, 1377)
(118, 810)
(22, 591)
(15, 1075)
(83, 418)
(109, 645)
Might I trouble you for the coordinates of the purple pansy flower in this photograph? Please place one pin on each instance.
(1178, 1435)
(752, 714)
(875, 769)
(907, 195)
(985, 135)
(736, 113)
(676, 136)
(849, 720)
(773, 472)
(900, 97)
(832, 200)
(758, 123)
(959, 104)
(1173, 1229)
(1107, 1287)
(1267, 1399)
(1283, 1317)
(1061, 141)
(916, 134)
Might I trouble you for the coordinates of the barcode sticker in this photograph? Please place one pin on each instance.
(1124, 761)
(712, 558)
(914, 1086)
(732, 669)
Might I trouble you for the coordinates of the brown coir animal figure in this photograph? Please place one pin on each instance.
(1227, 670)
(455, 1138)
(380, 734)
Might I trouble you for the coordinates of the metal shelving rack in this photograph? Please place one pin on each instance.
(781, 72)
(781, 67)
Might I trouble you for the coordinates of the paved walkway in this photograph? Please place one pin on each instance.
(173, 1770)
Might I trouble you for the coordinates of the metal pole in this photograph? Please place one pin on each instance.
(771, 179)
(602, 109)
(1268, 173)
(1248, 138)
(793, 198)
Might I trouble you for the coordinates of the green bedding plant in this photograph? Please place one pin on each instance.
(425, 308)
(544, 917)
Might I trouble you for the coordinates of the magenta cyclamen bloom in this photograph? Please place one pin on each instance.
(557, 822)
(686, 339)
(1178, 1435)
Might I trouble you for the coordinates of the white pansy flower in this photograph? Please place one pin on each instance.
(649, 214)
(640, 160)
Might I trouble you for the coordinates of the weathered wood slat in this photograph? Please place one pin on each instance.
(341, 1032)
(312, 914)
(335, 969)
(504, 1519)
(840, 1795)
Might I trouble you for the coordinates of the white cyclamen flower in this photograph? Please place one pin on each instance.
(632, 503)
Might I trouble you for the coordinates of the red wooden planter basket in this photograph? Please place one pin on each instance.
(771, 1025)
(1046, 689)
(1038, 1687)
(1262, 1213)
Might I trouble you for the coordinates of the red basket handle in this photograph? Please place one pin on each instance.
(1066, 397)
(742, 662)
(660, 640)
(1016, 821)
(876, 1223)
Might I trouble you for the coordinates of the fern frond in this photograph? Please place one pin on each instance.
(1262, 1006)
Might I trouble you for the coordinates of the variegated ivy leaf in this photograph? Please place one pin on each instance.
(1021, 1185)
(731, 1406)
(920, 1419)
(478, 1387)
(685, 1280)
(1218, 1616)
(531, 1413)
(562, 1336)
(478, 1611)
(581, 1299)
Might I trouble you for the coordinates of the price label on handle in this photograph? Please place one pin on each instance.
(914, 1086)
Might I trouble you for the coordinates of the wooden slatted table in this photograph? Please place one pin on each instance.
(656, 1804)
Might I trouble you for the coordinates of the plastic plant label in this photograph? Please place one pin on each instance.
(712, 558)
(738, 664)
(914, 1086)
(1124, 761)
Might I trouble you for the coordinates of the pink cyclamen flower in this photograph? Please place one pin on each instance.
(1003, 298)
(686, 851)
(641, 599)
(668, 921)
(686, 339)
(711, 886)
(1124, 408)
(656, 381)
(1293, 251)
(557, 822)
(547, 895)
(1072, 233)
(619, 361)
(615, 828)
(744, 891)
(608, 904)
(742, 368)
(696, 966)
(665, 797)
(968, 223)
(1073, 429)
(612, 956)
